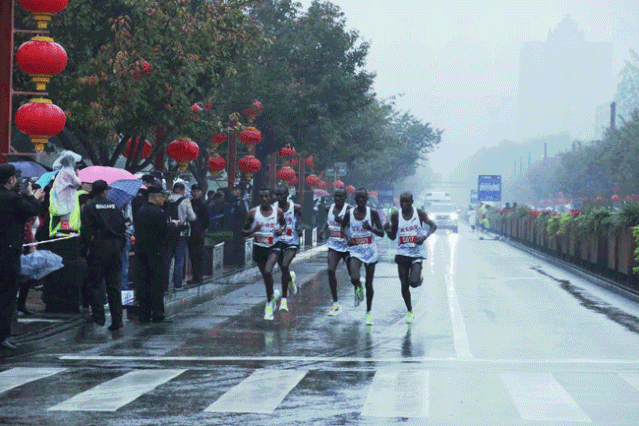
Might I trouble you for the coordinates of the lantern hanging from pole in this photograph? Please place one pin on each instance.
(218, 139)
(285, 174)
(183, 151)
(250, 137)
(312, 180)
(216, 164)
(145, 150)
(350, 189)
(292, 182)
(40, 119)
(42, 10)
(309, 162)
(615, 197)
(322, 184)
(294, 162)
(249, 165)
(338, 184)
(41, 58)
(287, 151)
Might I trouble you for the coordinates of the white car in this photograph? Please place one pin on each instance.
(445, 216)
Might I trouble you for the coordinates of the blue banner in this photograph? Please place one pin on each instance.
(489, 187)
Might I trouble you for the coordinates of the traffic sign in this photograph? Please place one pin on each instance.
(489, 188)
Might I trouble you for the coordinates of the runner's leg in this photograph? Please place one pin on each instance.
(284, 260)
(403, 271)
(370, 273)
(333, 260)
(415, 274)
(354, 265)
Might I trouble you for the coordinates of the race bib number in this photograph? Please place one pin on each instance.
(363, 240)
(337, 234)
(261, 239)
(408, 239)
(288, 232)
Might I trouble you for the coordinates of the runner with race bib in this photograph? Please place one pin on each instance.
(408, 225)
(336, 242)
(360, 236)
(265, 224)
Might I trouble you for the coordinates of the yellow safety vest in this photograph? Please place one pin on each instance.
(73, 223)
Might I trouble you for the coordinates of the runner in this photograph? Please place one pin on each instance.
(262, 223)
(288, 243)
(336, 242)
(409, 221)
(362, 247)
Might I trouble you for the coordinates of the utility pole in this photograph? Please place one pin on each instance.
(613, 116)
(6, 72)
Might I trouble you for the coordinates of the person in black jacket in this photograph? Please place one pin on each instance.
(15, 210)
(102, 239)
(151, 236)
(196, 239)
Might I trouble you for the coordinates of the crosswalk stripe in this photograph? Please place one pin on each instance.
(539, 396)
(261, 392)
(398, 394)
(631, 379)
(19, 376)
(111, 395)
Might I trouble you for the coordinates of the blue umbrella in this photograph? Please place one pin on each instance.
(44, 180)
(122, 191)
(29, 169)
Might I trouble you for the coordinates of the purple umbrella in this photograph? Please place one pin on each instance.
(29, 169)
(122, 191)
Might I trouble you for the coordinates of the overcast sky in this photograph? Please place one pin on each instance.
(454, 60)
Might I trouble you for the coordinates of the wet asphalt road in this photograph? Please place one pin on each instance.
(500, 337)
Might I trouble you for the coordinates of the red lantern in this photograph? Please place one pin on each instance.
(41, 58)
(309, 162)
(257, 106)
(350, 189)
(293, 162)
(312, 180)
(293, 181)
(216, 163)
(287, 151)
(600, 199)
(218, 139)
(616, 197)
(286, 174)
(40, 119)
(43, 9)
(338, 184)
(183, 151)
(250, 136)
(322, 184)
(249, 165)
(146, 148)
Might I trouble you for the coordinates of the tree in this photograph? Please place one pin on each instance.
(627, 96)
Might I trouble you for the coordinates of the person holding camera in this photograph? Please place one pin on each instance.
(16, 208)
(179, 208)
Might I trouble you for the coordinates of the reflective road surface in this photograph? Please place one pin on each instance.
(499, 338)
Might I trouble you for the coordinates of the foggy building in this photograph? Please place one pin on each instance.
(561, 82)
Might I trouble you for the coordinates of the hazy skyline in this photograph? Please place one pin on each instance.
(453, 62)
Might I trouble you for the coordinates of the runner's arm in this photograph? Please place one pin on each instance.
(248, 224)
(377, 224)
(281, 220)
(423, 218)
(391, 227)
(346, 221)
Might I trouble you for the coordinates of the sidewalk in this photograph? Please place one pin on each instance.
(42, 325)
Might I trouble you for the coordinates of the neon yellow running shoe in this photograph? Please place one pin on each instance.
(369, 319)
(409, 318)
(292, 285)
(284, 304)
(335, 309)
(268, 311)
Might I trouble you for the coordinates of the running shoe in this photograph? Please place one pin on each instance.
(284, 304)
(276, 296)
(409, 318)
(359, 294)
(268, 311)
(335, 309)
(292, 286)
(369, 318)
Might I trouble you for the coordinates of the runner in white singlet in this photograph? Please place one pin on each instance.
(336, 242)
(408, 224)
(361, 245)
(288, 243)
(265, 224)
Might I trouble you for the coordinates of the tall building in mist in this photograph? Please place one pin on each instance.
(561, 82)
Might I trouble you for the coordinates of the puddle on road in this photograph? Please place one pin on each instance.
(629, 321)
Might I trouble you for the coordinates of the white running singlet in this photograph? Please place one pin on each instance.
(365, 248)
(289, 237)
(265, 235)
(407, 233)
(336, 240)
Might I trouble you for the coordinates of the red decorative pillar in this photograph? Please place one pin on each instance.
(231, 157)
(6, 76)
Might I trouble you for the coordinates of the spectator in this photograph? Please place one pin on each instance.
(15, 210)
(179, 208)
(216, 212)
(196, 239)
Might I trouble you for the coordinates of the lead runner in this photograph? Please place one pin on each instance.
(336, 243)
(410, 249)
(362, 247)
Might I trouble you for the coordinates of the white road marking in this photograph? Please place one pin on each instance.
(540, 397)
(398, 394)
(111, 395)
(22, 375)
(631, 379)
(406, 360)
(261, 393)
(460, 338)
(32, 320)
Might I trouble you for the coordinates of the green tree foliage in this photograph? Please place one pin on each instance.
(627, 96)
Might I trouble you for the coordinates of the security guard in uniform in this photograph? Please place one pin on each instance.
(102, 236)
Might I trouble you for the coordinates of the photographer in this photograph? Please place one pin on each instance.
(15, 210)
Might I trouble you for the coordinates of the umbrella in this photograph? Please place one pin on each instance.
(46, 178)
(109, 174)
(122, 191)
(29, 169)
(321, 193)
